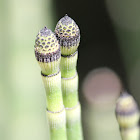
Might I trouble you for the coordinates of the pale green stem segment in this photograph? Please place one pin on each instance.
(52, 85)
(68, 65)
(49, 68)
(69, 51)
(128, 121)
(131, 133)
(70, 91)
(69, 83)
(55, 108)
(74, 128)
(56, 111)
(57, 123)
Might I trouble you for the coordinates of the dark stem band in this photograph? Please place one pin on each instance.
(130, 128)
(51, 75)
(71, 55)
(56, 111)
(131, 112)
(70, 77)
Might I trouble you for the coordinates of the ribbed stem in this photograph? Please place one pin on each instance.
(50, 68)
(74, 127)
(68, 35)
(69, 83)
(56, 110)
(57, 123)
(68, 65)
(70, 91)
(130, 133)
(47, 52)
(69, 80)
(52, 85)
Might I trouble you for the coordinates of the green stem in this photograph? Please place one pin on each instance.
(130, 133)
(47, 52)
(70, 97)
(56, 111)
(52, 85)
(70, 91)
(68, 65)
(68, 35)
(69, 80)
(74, 127)
(57, 123)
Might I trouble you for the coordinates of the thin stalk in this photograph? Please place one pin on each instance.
(74, 126)
(47, 52)
(70, 91)
(68, 35)
(127, 114)
(52, 85)
(57, 123)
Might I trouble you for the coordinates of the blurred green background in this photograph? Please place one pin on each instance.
(110, 32)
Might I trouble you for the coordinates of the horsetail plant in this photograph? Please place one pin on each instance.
(68, 35)
(48, 55)
(127, 114)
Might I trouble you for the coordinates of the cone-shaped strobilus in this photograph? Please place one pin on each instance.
(127, 114)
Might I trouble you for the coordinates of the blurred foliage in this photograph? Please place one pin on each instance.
(22, 95)
(126, 21)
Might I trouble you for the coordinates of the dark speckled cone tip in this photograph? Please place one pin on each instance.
(47, 48)
(68, 34)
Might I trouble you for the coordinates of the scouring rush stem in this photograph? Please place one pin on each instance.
(68, 35)
(48, 55)
(127, 114)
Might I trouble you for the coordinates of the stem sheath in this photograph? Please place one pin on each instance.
(74, 127)
(57, 123)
